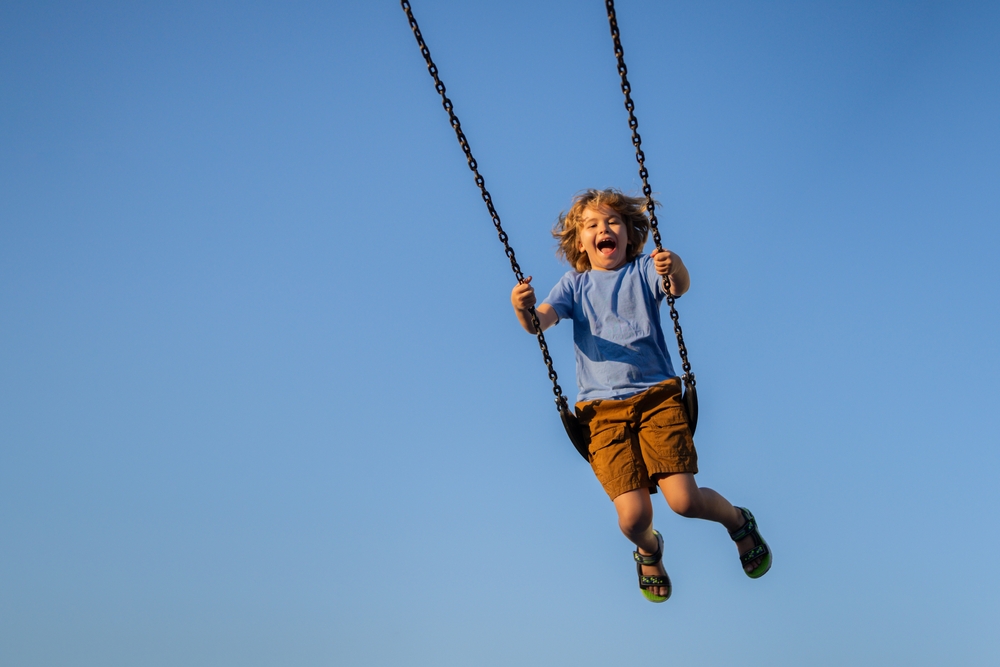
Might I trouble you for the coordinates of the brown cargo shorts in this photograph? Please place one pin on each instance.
(634, 439)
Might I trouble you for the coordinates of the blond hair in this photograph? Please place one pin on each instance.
(632, 211)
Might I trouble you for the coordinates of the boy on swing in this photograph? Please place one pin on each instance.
(630, 397)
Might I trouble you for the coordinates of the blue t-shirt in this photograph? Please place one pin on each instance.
(619, 343)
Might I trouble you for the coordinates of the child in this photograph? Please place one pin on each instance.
(629, 399)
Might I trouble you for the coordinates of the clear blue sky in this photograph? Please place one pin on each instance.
(263, 400)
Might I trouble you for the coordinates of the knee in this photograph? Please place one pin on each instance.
(635, 521)
(685, 504)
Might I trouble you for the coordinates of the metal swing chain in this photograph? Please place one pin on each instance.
(640, 157)
(481, 182)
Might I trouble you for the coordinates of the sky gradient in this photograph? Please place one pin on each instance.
(263, 400)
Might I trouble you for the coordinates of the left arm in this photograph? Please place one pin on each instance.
(670, 264)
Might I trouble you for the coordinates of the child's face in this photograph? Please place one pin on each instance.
(603, 236)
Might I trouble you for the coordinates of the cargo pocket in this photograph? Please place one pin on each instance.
(666, 442)
(668, 417)
(610, 450)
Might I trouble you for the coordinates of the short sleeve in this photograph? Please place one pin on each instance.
(561, 297)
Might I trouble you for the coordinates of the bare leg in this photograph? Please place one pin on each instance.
(635, 518)
(686, 498)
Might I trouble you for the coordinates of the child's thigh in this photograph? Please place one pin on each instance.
(616, 458)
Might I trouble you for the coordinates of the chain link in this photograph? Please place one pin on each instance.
(640, 157)
(481, 183)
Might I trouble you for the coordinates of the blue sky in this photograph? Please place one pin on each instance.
(263, 399)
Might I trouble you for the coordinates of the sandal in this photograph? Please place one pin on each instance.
(647, 581)
(759, 549)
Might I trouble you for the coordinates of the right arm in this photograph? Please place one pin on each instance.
(522, 297)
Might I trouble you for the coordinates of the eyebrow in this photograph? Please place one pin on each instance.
(613, 216)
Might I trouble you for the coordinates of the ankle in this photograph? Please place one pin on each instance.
(736, 521)
(648, 544)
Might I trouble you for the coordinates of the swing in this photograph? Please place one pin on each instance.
(570, 422)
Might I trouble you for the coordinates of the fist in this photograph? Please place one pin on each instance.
(522, 297)
(663, 260)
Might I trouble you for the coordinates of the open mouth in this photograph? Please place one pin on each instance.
(606, 246)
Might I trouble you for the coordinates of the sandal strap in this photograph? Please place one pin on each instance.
(749, 528)
(643, 559)
(758, 551)
(648, 580)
